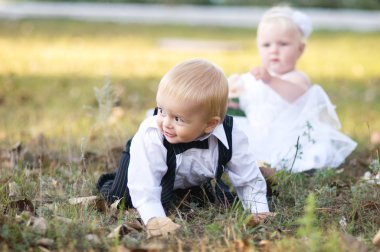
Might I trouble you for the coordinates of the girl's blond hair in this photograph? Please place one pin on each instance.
(287, 18)
(199, 81)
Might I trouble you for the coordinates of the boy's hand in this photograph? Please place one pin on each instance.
(161, 226)
(259, 218)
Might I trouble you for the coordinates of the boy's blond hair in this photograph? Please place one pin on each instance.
(200, 81)
(286, 18)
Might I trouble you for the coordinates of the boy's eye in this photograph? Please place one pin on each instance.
(178, 119)
(161, 112)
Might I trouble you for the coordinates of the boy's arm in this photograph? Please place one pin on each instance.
(146, 168)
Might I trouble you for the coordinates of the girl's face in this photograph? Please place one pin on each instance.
(180, 121)
(279, 48)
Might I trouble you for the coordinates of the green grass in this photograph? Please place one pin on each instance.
(49, 69)
(48, 73)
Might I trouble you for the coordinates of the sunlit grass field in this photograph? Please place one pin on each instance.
(55, 102)
(49, 68)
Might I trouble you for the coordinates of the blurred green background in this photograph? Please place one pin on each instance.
(49, 70)
(352, 4)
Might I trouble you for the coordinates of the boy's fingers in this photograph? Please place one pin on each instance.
(161, 226)
(259, 218)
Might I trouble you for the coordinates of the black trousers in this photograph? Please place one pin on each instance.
(113, 186)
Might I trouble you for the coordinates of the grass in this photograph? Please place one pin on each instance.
(48, 75)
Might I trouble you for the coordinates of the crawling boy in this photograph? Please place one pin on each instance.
(186, 144)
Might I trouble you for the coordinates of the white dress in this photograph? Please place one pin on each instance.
(296, 136)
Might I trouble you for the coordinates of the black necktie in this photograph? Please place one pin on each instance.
(167, 181)
(182, 147)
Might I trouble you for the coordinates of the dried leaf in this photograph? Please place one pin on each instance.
(93, 239)
(121, 231)
(53, 207)
(99, 203)
(153, 246)
(45, 242)
(352, 244)
(375, 138)
(43, 249)
(23, 217)
(82, 200)
(265, 245)
(135, 225)
(19, 206)
(63, 219)
(5, 159)
(243, 245)
(114, 206)
(54, 183)
(15, 153)
(121, 248)
(376, 240)
(13, 190)
(38, 224)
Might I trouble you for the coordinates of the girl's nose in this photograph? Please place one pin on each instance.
(274, 48)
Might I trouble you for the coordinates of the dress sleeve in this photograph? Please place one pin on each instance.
(245, 175)
(146, 169)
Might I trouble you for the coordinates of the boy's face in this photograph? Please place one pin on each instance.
(180, 121)
(279, 48)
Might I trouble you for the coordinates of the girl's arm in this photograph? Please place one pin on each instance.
(290, 88)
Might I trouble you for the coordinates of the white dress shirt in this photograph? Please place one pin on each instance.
(148, 165)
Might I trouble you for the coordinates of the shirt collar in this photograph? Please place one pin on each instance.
(218, 133)
(221, 135)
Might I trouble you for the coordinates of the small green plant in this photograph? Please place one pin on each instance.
(309, 229)
(106, 98)
(374, 166)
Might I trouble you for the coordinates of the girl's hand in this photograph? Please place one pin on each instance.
(235, 86)
(261, 73)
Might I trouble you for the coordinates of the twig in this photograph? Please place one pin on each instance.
(295, 155)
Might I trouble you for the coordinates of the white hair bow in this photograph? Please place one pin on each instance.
(303, 22)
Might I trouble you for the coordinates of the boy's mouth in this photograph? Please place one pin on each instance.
(169, 135)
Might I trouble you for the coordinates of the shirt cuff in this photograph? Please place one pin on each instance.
(150, 210)
(260, 206)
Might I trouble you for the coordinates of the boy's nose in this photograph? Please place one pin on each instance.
(166, 122)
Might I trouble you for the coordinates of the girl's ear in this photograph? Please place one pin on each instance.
(212, 123)
(302, 47)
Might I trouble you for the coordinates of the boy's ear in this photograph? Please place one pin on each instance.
(212, 123)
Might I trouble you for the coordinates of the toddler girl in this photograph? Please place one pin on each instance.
(292, 123)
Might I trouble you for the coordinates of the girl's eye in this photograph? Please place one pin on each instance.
(283, 44)
(265, 45)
